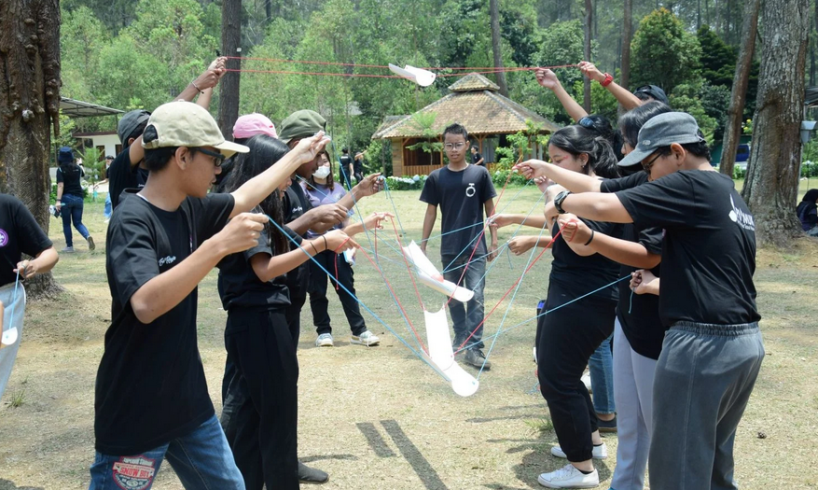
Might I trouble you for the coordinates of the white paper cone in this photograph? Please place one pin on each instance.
(424, 78)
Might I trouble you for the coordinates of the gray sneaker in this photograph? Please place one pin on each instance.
(476, 358)
(311, 475)
(67, 250)
(324, 340)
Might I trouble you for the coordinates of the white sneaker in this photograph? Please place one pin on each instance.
(324, 340)
(600, 452)
(569, 477)
(366, 338)
(586, 380)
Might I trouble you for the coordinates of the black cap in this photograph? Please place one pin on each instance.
(652, 91)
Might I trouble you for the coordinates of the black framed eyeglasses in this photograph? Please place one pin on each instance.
(649, 165)
(218, 158)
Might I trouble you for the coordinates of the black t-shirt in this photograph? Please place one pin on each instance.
(639, 313)
(358, 166)
(122, 175)
(151, 385)
(579, 275)
(708, 253)
(239, 286)
(345, 161)
(69, 176)
(296, 204)
(476, 157)
(19, 234)
(461, 197)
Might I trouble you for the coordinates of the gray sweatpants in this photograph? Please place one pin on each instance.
(15, 309)
(633, 391)
(704, 378)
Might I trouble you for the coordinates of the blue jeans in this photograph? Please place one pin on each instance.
(601, 367)
(201, 460)
(466, 318)
(72, 211)
(108, 208)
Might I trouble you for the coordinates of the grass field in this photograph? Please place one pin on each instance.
(379, 418)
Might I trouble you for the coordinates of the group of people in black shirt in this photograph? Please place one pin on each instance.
(686, 356)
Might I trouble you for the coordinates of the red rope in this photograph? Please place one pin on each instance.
(553, 239)
(389, 285)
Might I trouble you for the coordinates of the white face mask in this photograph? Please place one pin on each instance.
(321, 173)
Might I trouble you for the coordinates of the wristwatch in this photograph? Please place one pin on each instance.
(558, 201)
(607, 81)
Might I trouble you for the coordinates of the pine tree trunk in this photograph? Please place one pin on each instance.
(586, 99)
(29, 105)
(771, 188)
(494, 9)
(627, 32)
(231, 46)
(732, 130)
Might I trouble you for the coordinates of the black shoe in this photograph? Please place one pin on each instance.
(476, 358)
(606, 425)
(311, 475)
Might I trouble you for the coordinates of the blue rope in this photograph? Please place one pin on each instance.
(510, 303)
(551, 310)
(630, 307)
(394, 207)
(369, 310)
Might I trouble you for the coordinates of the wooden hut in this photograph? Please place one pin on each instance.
(474, 102)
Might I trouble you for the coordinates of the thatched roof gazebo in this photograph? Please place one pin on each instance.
(474, 102)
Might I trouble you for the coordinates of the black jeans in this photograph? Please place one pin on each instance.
(318, 293)
(297, 284)
(264, 445)
(567, 338)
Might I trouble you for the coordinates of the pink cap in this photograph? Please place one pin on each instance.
(250, 125)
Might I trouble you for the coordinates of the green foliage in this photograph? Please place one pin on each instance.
(602, 101)
(718, 59)
(429, 141)
(663, 53)
(405, 183)
(92, 160)
(809, 168)
(685, 98)
(715, 100)
(498, 178)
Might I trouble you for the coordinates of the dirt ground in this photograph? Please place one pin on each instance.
(379, 418)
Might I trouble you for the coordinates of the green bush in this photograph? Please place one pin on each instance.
(809, 169)
(405, 183)
(739, 172)
(499, 178)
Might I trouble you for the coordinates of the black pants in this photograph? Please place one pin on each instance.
(318, 293)
(264, 445)
(567, 338)
(297, 284)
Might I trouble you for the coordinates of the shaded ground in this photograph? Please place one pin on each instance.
(379, 418)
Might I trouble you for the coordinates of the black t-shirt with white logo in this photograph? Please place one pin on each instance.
(122, 175)
(708, 253)
(461, 197)
(19, 234)
(296, 203)
(578, 275)
(151, 385)
(239, 286)
(476, 157)
(638, 314)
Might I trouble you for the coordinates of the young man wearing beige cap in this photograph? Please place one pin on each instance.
(152, 400)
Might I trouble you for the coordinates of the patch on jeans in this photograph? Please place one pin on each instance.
(134, 472)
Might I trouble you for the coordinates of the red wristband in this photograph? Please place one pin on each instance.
(607, 81)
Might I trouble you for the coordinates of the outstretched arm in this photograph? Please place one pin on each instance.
(623, 95)
(367, 187)
(578, 236)
(268, 268)
(597, 206)
(548, 79)
(573, 181)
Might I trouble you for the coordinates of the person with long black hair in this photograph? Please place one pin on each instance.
(807, 212)
(69, 198)
(257, 336)
(638, 332)
(568, 337)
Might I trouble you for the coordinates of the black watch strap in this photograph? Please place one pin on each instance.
(558, 201)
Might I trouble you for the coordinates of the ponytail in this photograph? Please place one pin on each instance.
(604, 159)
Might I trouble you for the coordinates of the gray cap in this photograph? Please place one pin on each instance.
(660, 131)
(129, 122)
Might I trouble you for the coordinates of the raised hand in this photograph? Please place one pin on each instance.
(499, 221)
(308, 148)
(241, 233)
(531, 168)
(210, 78)
(591, 71)
(371, 184)
(547, 78)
